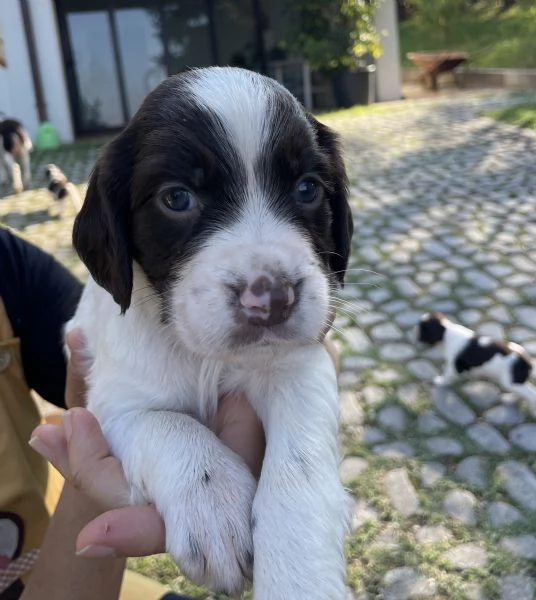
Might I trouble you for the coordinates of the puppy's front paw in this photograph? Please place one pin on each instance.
(208, 527)
(440, 381)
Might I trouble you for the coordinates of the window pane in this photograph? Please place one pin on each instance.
(235, 31)
(187, 28)
(91, 42)
(142, 53)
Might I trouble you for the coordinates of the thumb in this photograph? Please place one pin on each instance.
(92, 469)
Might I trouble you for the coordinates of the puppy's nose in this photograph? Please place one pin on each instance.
(267, 301)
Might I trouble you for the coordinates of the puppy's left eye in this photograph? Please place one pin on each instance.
(178, 199)
(308, 190)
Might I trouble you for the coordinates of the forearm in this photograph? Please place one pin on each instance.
(61, 575)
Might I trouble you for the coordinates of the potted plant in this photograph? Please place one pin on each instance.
(337, 38)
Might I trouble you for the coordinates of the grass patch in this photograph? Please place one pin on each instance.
(369, 559)
(161, 568)
(523, 115)
(506, 40)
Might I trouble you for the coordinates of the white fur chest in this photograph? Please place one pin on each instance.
(138, 349)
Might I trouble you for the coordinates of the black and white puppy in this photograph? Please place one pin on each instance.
(467, 353)
(15, 147)
(215, 228)
(61, 188)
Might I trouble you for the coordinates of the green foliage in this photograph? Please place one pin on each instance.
(332, 34)
(492, 37)
(442, 15)
(523, 115)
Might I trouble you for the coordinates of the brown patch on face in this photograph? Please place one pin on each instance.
(260, 286)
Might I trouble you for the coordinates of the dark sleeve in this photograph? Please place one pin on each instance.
(40, 296)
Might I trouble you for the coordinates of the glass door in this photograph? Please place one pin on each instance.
(187, 28)
(100, 104)
(142, 53)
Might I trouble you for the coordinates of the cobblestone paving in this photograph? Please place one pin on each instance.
(444, 482)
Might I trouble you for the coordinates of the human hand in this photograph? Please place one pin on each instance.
(78, 449)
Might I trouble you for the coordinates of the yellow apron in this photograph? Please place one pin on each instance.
(27, 492)
(30, 486)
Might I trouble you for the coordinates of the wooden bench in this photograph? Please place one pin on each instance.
(432, 64)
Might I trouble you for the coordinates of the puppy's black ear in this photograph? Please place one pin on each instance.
(101, 228)
(342, 224)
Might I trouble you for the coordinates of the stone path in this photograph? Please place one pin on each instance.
(444, 482)
(33, 214)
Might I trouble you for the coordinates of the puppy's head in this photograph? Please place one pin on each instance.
(232, 201)
(431, 328)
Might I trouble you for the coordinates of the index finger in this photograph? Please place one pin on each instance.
(129, 531)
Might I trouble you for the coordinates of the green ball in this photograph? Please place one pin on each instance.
(47, 137)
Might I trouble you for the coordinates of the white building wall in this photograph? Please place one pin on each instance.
(50, 58)
(17, 97)
(388, 70)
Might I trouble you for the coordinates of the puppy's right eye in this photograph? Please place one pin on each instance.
(308, 190)
(178, 199)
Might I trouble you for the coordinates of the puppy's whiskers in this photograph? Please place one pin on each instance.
(352, 305)
(347, 309)
(145, 299)
(360, 270)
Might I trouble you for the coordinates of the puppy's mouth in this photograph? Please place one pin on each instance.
(248, 335)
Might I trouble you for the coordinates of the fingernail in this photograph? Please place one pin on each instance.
(67, 424)
(41, 448)
(94, 551)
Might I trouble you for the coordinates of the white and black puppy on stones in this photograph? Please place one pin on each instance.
(468, 353)
(215, 228)
(61, 188)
